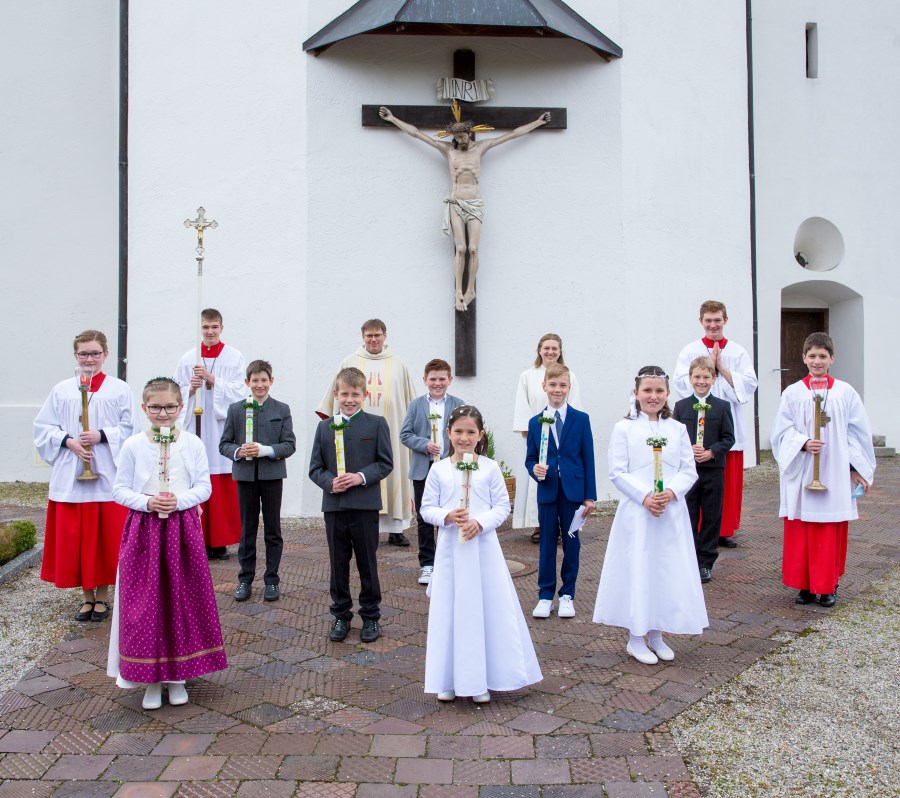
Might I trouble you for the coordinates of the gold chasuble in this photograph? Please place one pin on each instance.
(389, 390)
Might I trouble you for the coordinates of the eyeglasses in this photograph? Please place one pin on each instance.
(88, 355)
(169, 409)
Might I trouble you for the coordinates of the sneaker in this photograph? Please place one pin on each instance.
(566, 607)
(425, 574)
(543, 608)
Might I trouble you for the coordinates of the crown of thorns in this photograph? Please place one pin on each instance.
(458, 126)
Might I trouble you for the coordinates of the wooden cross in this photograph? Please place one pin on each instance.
(438, 116)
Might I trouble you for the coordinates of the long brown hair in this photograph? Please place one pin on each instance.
(549, 337)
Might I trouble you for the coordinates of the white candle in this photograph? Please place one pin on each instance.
(339, 446)
(248, 423)
(545, 443)
(164, 432)
(701, 424)
(465, 486)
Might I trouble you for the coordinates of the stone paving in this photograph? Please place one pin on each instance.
(297, 715)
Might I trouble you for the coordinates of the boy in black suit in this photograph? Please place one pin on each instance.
(259, 471)
(710, 427)
(348, 474)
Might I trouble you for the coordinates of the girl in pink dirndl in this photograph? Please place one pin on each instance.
(165, 625)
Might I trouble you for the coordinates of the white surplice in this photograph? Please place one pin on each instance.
(531, 399)
(650, 578)
(229, 369)
(112, 409)
(739, 362)
(848, 442)
(477, 636)
(389, 390)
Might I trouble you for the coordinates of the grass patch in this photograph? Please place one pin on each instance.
(24, 494)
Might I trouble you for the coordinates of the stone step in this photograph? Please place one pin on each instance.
(878, 440)
(885, 451)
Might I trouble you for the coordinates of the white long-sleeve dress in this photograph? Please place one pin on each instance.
(477, 636)
(650, 578)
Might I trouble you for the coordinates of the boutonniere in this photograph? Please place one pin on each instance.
(163, 437)
(434, 416)
(701, 406)
(342, 425)
(657, 442)
(462, 465)
(251, 405)
(547, 420)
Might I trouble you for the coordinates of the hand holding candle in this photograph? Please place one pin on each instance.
(339, 425)
(248, 421)
(545, 422)
(464, 469)
(164, 438)
(434, 418)
(84, 375)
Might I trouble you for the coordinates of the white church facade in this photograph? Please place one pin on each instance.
(680, 176)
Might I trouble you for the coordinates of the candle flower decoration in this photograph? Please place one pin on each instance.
(545, 422)
(163, 436)
(657, 442)
(698, 406)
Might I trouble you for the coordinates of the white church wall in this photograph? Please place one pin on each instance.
(59, 206)
(218, 119)
(826, 147)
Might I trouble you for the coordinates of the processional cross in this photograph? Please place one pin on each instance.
(465, 222)
(199, 224)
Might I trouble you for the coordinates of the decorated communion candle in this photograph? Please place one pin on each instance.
(465, 486)
(248, 422)
(339, 447)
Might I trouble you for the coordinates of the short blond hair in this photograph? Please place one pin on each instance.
(702, 362)
(351, 377)
(555, 371)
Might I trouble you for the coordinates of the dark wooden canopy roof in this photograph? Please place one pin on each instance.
(533, 18)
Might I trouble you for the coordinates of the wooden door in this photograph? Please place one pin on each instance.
(796, 324)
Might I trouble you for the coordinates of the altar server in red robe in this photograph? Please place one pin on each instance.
(219, 378)
(84, 524)
(816, 521)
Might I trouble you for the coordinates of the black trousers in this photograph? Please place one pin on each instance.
(704, 503)
(251, 495)
(353, 533)
(426, 530)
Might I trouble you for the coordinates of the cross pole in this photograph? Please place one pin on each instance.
(437, 116)
(199, 224)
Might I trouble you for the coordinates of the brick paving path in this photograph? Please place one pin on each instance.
(296, 715)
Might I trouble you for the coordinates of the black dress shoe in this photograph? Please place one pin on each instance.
(398, 539)
(705, 575)
(804, 597)
(86, 615)
(536, 536)
(271, 593)
(371, 631)
(103, 614)
(219, 553)
(827, 600)
(243, 591)
(727, 543)
(339, 629)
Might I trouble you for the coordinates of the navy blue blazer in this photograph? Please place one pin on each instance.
(571, 466)
(718, 429)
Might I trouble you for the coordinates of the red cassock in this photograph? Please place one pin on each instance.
(815, 554)
(221, 519)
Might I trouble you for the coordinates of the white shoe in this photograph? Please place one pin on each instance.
(566, 608)
(662, 650)
(447, 695)
(152, 696)
(484, 698)
(642, 654)
(425, 574)
(178, 694)
(543, 608)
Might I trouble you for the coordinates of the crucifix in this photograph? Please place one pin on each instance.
(199, 224)
(464, 212)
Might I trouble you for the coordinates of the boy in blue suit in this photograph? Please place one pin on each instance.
(566, 486)
(416, 434)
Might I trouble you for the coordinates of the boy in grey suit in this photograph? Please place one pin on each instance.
(351, 500)
(425, 415)
(259, 471)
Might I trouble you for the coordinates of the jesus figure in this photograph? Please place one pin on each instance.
(465, 208)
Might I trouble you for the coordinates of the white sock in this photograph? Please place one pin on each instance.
(638, 643)
(656, 639)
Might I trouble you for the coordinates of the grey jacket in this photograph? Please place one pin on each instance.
(272, 426)
(415, 433)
